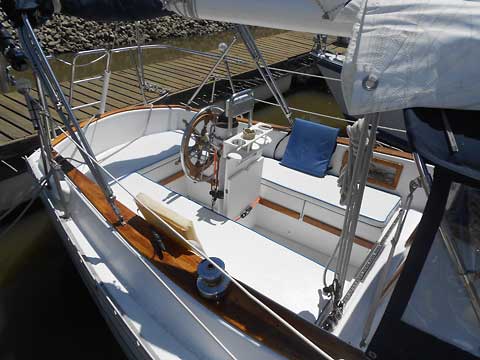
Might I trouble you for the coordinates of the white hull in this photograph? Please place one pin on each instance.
(130, 343)
(124, 336)
(137, 320)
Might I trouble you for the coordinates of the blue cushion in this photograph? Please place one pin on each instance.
(310, 147)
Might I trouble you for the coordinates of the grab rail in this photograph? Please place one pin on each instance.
(231, 59)
(108, 55)
(103, 53)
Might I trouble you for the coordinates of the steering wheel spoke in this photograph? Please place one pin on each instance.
(197, 149)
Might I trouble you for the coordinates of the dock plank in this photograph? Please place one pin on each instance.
(11, 131)
(113, 92)
(20, 121)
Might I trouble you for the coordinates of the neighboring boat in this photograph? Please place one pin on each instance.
(203, 234)
(330, 65)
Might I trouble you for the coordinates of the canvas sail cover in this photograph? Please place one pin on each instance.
(415, 53)
(315, 16)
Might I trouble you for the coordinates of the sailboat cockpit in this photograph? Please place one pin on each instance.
(207, 233)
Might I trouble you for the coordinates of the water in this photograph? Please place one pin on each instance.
(45, 309)
(312, 96)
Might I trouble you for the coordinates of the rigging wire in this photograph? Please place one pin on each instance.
(304, 74)
(11, 167)
(204, 255)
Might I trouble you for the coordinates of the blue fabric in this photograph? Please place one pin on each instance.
(427, 135)
(310, 147)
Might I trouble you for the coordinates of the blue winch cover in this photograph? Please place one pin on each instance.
(310, 147)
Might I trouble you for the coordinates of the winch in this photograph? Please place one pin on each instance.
(211, 282)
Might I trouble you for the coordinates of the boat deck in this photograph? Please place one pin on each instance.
(177, 76)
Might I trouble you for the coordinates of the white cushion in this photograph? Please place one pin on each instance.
(377, 208)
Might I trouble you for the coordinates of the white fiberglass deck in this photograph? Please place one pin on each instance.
(280, 252)
(286, 277)
(146, 150)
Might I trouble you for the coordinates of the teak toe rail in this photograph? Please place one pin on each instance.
(180, 265)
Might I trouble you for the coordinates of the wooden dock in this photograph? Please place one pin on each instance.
(176, 76)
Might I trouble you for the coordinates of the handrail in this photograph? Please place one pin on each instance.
(234, 60)
(108, 54)
(102, 51)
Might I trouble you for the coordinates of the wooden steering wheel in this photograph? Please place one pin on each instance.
(198, 151)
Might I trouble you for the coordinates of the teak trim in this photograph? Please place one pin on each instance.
(393, 279)
(336, 231)
(279, 208)
(171, 178)
(381, 149)
(398, 168)
(180, 264)
(312, 221)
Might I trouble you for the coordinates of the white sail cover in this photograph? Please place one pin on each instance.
(424, 53)
(313, 16)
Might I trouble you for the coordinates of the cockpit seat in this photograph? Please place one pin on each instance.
(319, 198)
(148, 149)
